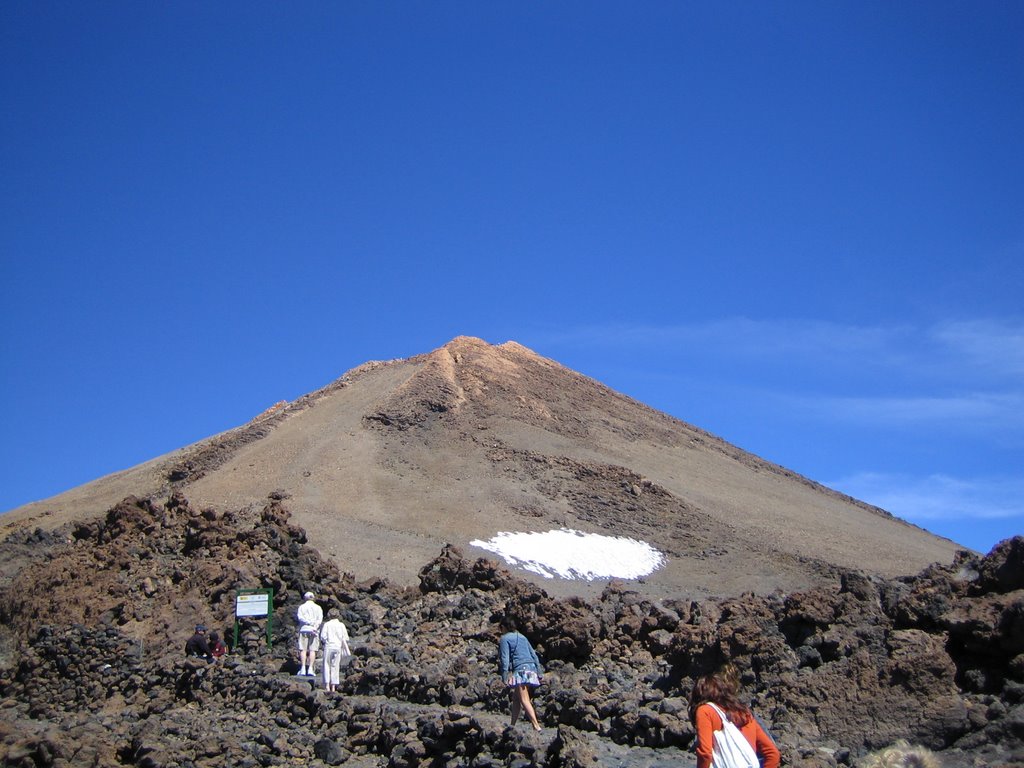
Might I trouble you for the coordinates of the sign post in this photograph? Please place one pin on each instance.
(254, 603)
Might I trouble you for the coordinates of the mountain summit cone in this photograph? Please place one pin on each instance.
(395, 459)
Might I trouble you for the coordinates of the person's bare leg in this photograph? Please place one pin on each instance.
(514, 698)
(524, 697)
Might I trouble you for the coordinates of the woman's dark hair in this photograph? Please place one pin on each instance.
(508, 624)
(715, 689)
(729, 674)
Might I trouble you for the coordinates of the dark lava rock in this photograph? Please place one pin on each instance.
(95, 621)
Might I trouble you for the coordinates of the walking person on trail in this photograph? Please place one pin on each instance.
(714, 710)
(310, 616)
(520, 670)
(335, 639)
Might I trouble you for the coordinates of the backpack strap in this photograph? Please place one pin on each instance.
(731, 748)
(720, 711)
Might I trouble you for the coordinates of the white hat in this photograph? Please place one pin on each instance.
(309, 596)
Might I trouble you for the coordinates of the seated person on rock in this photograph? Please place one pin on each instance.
(198, 645)
(217, 647)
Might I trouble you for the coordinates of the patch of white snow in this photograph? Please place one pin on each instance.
(572, 554)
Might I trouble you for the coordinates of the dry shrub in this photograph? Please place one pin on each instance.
(901, 755)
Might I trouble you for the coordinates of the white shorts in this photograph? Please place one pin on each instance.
(309, 641)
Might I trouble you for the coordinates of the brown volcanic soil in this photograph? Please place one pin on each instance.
(394, 460)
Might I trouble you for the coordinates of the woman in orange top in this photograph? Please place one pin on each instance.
(714, 689)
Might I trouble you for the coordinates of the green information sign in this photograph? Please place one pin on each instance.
(255, 603)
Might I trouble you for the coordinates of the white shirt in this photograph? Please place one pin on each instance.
(310, 616)
(333, 633)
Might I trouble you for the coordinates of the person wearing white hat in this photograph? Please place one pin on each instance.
(310, 616)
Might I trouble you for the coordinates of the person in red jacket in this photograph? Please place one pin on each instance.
(217, 648)
(714, 689)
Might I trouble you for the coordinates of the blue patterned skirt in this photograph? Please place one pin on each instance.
(524, 677)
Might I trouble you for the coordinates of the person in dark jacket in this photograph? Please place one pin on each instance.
(520, 670)
(198, 645)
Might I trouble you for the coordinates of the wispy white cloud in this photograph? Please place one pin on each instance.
(938, 497)
(967, 373)
(994, 346)
(999, 411)
(740, 336)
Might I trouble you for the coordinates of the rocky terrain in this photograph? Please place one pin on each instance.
(394, 460)
(95, 613)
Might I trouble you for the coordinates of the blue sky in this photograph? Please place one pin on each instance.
(797, 225)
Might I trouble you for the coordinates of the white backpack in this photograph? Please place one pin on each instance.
(731, 748)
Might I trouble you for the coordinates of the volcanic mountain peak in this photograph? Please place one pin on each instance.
(396, 459)
(474, 362)
(469, 382)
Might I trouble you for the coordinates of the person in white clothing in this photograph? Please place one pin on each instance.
(335, 638)
(310, 617)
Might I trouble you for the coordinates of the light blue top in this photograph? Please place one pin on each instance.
(515, 654)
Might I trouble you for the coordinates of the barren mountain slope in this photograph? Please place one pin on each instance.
(394, 460)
